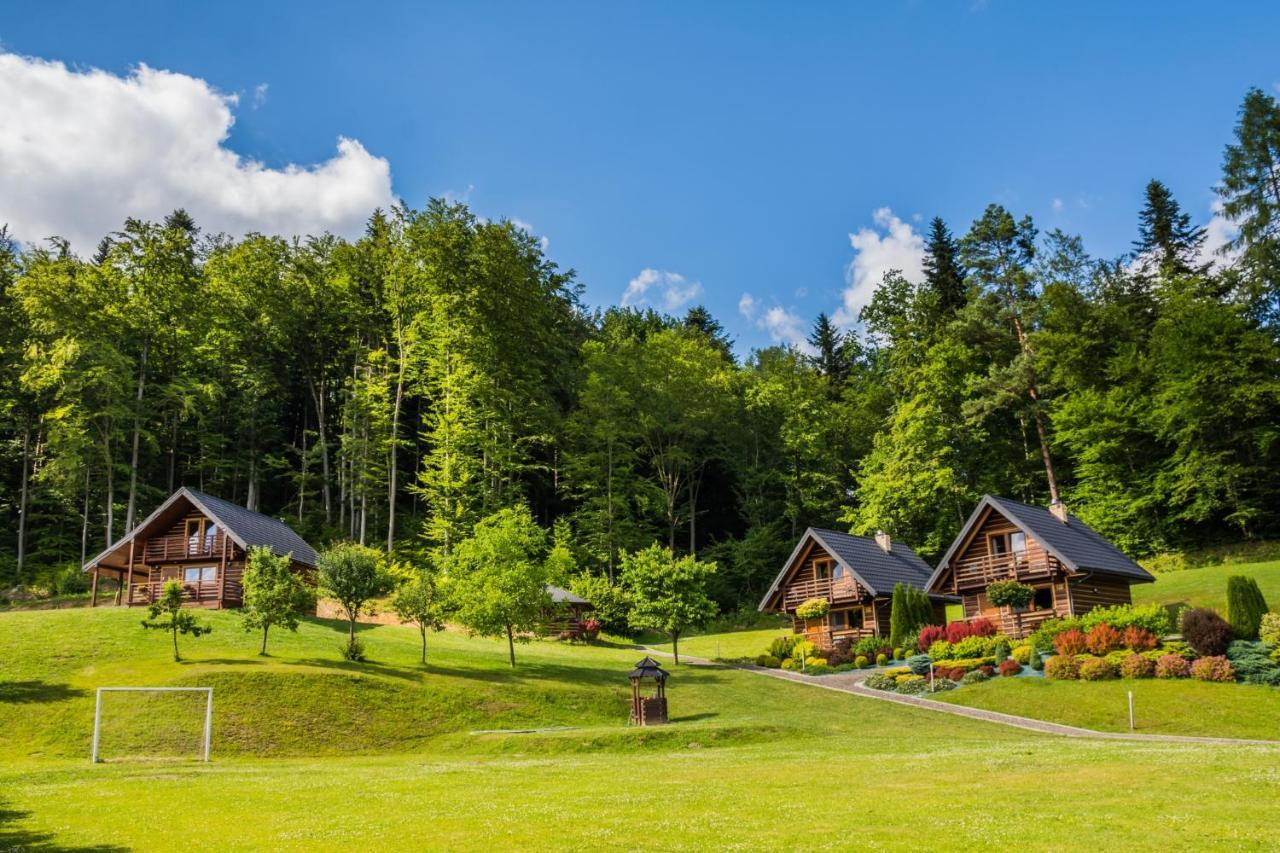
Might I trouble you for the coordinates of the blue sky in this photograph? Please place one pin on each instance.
(730, 149)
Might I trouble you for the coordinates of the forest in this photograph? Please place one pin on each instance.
(395, 389)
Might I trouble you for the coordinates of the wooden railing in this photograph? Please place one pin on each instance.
(201, 592)
(1020, 625)
(983, 570)
(824, 637)
(840, 589)
(161, 549)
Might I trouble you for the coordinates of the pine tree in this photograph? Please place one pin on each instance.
(831, 351)
(942, 270)
(1167, 241)
(1250, 192)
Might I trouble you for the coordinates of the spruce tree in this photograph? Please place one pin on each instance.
(942, 271)
(831, 358)
(1167, 242)
(1245, 606)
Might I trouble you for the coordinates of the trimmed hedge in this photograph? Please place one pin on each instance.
(1245, 606)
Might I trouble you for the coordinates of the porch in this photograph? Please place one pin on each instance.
(834, 590)
(985, 569)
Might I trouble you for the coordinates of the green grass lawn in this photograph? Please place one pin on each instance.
(727, 646)
(314, 753)
(1207, 587)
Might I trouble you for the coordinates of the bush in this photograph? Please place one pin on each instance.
(987, 669)
(1172, 666)
(941, 685)
(975, 677)
(860, 661)
(882, 659)
(1137, 666)
(353, 650)
(1062, 667)
(912, 688)
(869, 646)
(1213, 668)
(979, 627)
(1001, 651)
(919, 664)
(1253, 663)
(897, 654)
(813, 608)
(1070, 643)
(1037, 662)
(1139, 639)
(1097, 669)
(781, 647)
(1010, 594)
(838, 656)
(908, 678)
(1022, 654)
(1009, 667)
(941, 650)
(768, 661)
(971, 647)
(1177, 647)
(1102, 639)
(1269, 629)
(954, 674)
(1150, 617)
(928, 635)
(881, 681)
(791, 663)
(1245, 606)
(815, 662)
(1206, 632)
(898, 670)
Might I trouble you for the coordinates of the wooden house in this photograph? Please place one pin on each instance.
(201, 541)
(1071, 568)
(854, 574)
(567, 615)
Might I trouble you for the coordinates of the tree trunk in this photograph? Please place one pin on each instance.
(131, 512)
(511, 647)
(173, 453)
(351, 625)
(609, 503)
(391, 474)
(422, 629)
(24, 496)
(317, 397)
(1025, 345)
(174, 630)
(302, 483)
(263, 650)
(675, 647)
(84, 524)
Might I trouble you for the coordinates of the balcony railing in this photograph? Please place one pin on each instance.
(985, 569)
(834, 590)
(161, 549)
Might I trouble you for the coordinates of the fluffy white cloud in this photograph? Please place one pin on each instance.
(1218, 232)
(891, 245)
(782, 326)
(674, 290)
(747, 306)
(82, 150)
(1058, 205)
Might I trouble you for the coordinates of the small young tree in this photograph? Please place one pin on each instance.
(418, 601)
(352, 574)
(176, 619)
(1245, 606)
(909, 611)
(669, 594)
(273, 593)
(498, 577)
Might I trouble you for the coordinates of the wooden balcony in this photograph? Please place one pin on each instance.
(834, 591)
(1020, 625)
(201, 593)
(984, 570)
(171, 549)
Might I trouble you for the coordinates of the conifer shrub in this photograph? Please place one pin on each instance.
(1172, 666)
(919, 664)
(1022, 654)
(860, 661)
(1253, 662)
(1137, 666)
(1245, 606)
(1213, 668)
(769, 661)
(1062, 667)
(897, 654)
(882, 659)
(781, 647)
(1001, 651)
(1097, 669)
(1269, 629)
(1206, 632)
(1102, 639)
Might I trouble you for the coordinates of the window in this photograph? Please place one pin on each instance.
(1043, 598)
(822, 569)
(1018, 543)
(837, 572)
(193, 535)
(197, 574)
(838, 622)
(210, 533)
(997, 543)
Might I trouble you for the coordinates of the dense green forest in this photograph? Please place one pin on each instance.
(397, 388)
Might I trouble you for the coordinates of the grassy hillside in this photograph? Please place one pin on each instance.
(1207, 586)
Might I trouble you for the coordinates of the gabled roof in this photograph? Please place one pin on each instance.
(1077, 545)
(861, 557)
(244, 526)
(563, 596)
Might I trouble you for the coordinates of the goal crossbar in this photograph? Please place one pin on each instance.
(208, 710)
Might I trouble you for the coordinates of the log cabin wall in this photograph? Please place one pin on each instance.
(1088, 592)
(191, 544)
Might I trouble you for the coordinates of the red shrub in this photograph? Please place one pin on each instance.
(957, 631)
(982, 627)
(1213, 668)
(929, 635)
(1137, 666)
(1010, 667)
(1070, 643)
(591, 629)
(1172, 666)
(956, 674)
(987, 670)
(1102, 639)
(1139, 639)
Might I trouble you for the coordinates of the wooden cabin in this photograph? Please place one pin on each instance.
(567, 615)
(854, 574)
(201, 541)
(1070, 566)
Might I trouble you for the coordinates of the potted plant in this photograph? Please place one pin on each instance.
(813, 608)
(1010, 594)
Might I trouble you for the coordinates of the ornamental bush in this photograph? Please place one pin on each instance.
(1102, 639)
(971, 647)
(882, 659)
(1022, 654)
(1245, 606)
(919, 664)
(1097, 669)
(1151, 617)
(860, 661)
(1010, 594)
(768, 661)
(929, 635)
(909, 678)
(1009, 667)
(1137, 666)
(941, 650)
(781, 647)
(1070, 643)
(1206, 632)
(881, 681)
(815, 662)
(1139, 639)
(1062, 667)
(1253, 662)
(1269, 629)
(813, 608)
(975, 677)
(897, 654)
(1213, 668)
(1172, 666)
(791, 663)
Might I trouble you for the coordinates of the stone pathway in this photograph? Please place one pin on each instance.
(851, 682)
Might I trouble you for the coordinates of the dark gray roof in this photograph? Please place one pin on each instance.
(251, 528)
(563, 596)
(863, 557)
(1076, 544)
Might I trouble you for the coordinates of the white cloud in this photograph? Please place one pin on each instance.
(1218, 232)
(259, 95)
(747, 306)
(82, 150)
(891, 245)
(782, 326)
(675, 290)
(1058, 205)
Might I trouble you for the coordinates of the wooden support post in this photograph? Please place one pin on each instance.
(93, 596)
(128, 587)
(222, 574)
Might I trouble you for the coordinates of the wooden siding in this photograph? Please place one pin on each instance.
(976, 565)
(1088, 592)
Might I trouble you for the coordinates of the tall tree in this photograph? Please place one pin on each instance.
(943, 273)
(1250, 192)
(1168, 243)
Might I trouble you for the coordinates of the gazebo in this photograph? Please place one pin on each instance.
(648, 710)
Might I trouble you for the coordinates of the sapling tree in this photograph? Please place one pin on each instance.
(498, 577)
(166, 613)
(419, 601)
(351, 575)
(669, 593)
(274, 594)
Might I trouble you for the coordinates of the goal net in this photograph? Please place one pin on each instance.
(144, 723)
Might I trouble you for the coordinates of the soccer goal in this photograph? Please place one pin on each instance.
(151, 722)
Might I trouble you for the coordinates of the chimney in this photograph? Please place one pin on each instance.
(1059, 510)
(882, 539)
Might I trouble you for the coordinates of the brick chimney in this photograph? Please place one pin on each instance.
(883, 540)
(1059, 510)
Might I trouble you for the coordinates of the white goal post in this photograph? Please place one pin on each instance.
(208, 710)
